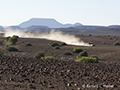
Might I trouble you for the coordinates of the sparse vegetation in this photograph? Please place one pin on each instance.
(90, 43)
(1, 52)
(116, 43)
(11, 49)
(54, 44)
(15, 36)
(77, 50)
(50, 42)
(94, 56)
(57, 47)
(110, 38)
(48, 58)
(83, 53)
(28, 44)
(103, 43)
(67, 53)
(13, 39)
(63, 44)
(89, 35)
(87, 60)
(39, 54)
(1, 42)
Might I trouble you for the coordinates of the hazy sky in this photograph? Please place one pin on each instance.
(87, 12)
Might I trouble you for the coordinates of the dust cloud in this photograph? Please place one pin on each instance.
(52, 35)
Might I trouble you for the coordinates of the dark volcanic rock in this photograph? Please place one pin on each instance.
(58, 74)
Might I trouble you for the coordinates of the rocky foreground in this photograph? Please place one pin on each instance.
(27, 73)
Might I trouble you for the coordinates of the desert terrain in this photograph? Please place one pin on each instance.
(20, 71)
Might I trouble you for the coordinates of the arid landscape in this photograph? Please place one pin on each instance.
(20, 71)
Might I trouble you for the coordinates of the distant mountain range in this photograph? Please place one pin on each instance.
(45, 24)
(51, 23)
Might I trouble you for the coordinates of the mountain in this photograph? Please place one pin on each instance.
(114, 26)
(38, 28)
(13, 28)
(71, 25)
(51, 23)
(1, 28)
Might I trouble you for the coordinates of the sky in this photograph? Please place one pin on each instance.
(86, 12)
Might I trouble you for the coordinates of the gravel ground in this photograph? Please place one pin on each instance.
(20, 71)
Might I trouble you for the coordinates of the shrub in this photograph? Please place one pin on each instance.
(13, 39)
(94, 56)
(11, 49)
(89, 35)
(83, 53)
(7, 38)
(48, 58)
(1, 52)
(103, 43)
(57, 47)
(39, 54)
(87, 60)
(110, 38)
(90, 43)
(28, 44)
(54, 44)
(77, 50)
(50, 42)
(63, 44)
(67, 53)
(1, 42)
(15, 36)
(108, 35)
(116, 43)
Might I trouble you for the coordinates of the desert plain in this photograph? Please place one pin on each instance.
(20, 71)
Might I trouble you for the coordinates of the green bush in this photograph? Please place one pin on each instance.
(28, 44)
(50, 42)
(67, 53)
(15, 36)
(54, 44)
(63, 44)
(94, 56)
(48, 58)
(39, 54)
(83, 53)
(1, 52)
(87, 60)
(77, 50)
(13, 39)
(11, 49)
(116, 43)
(57, 47)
